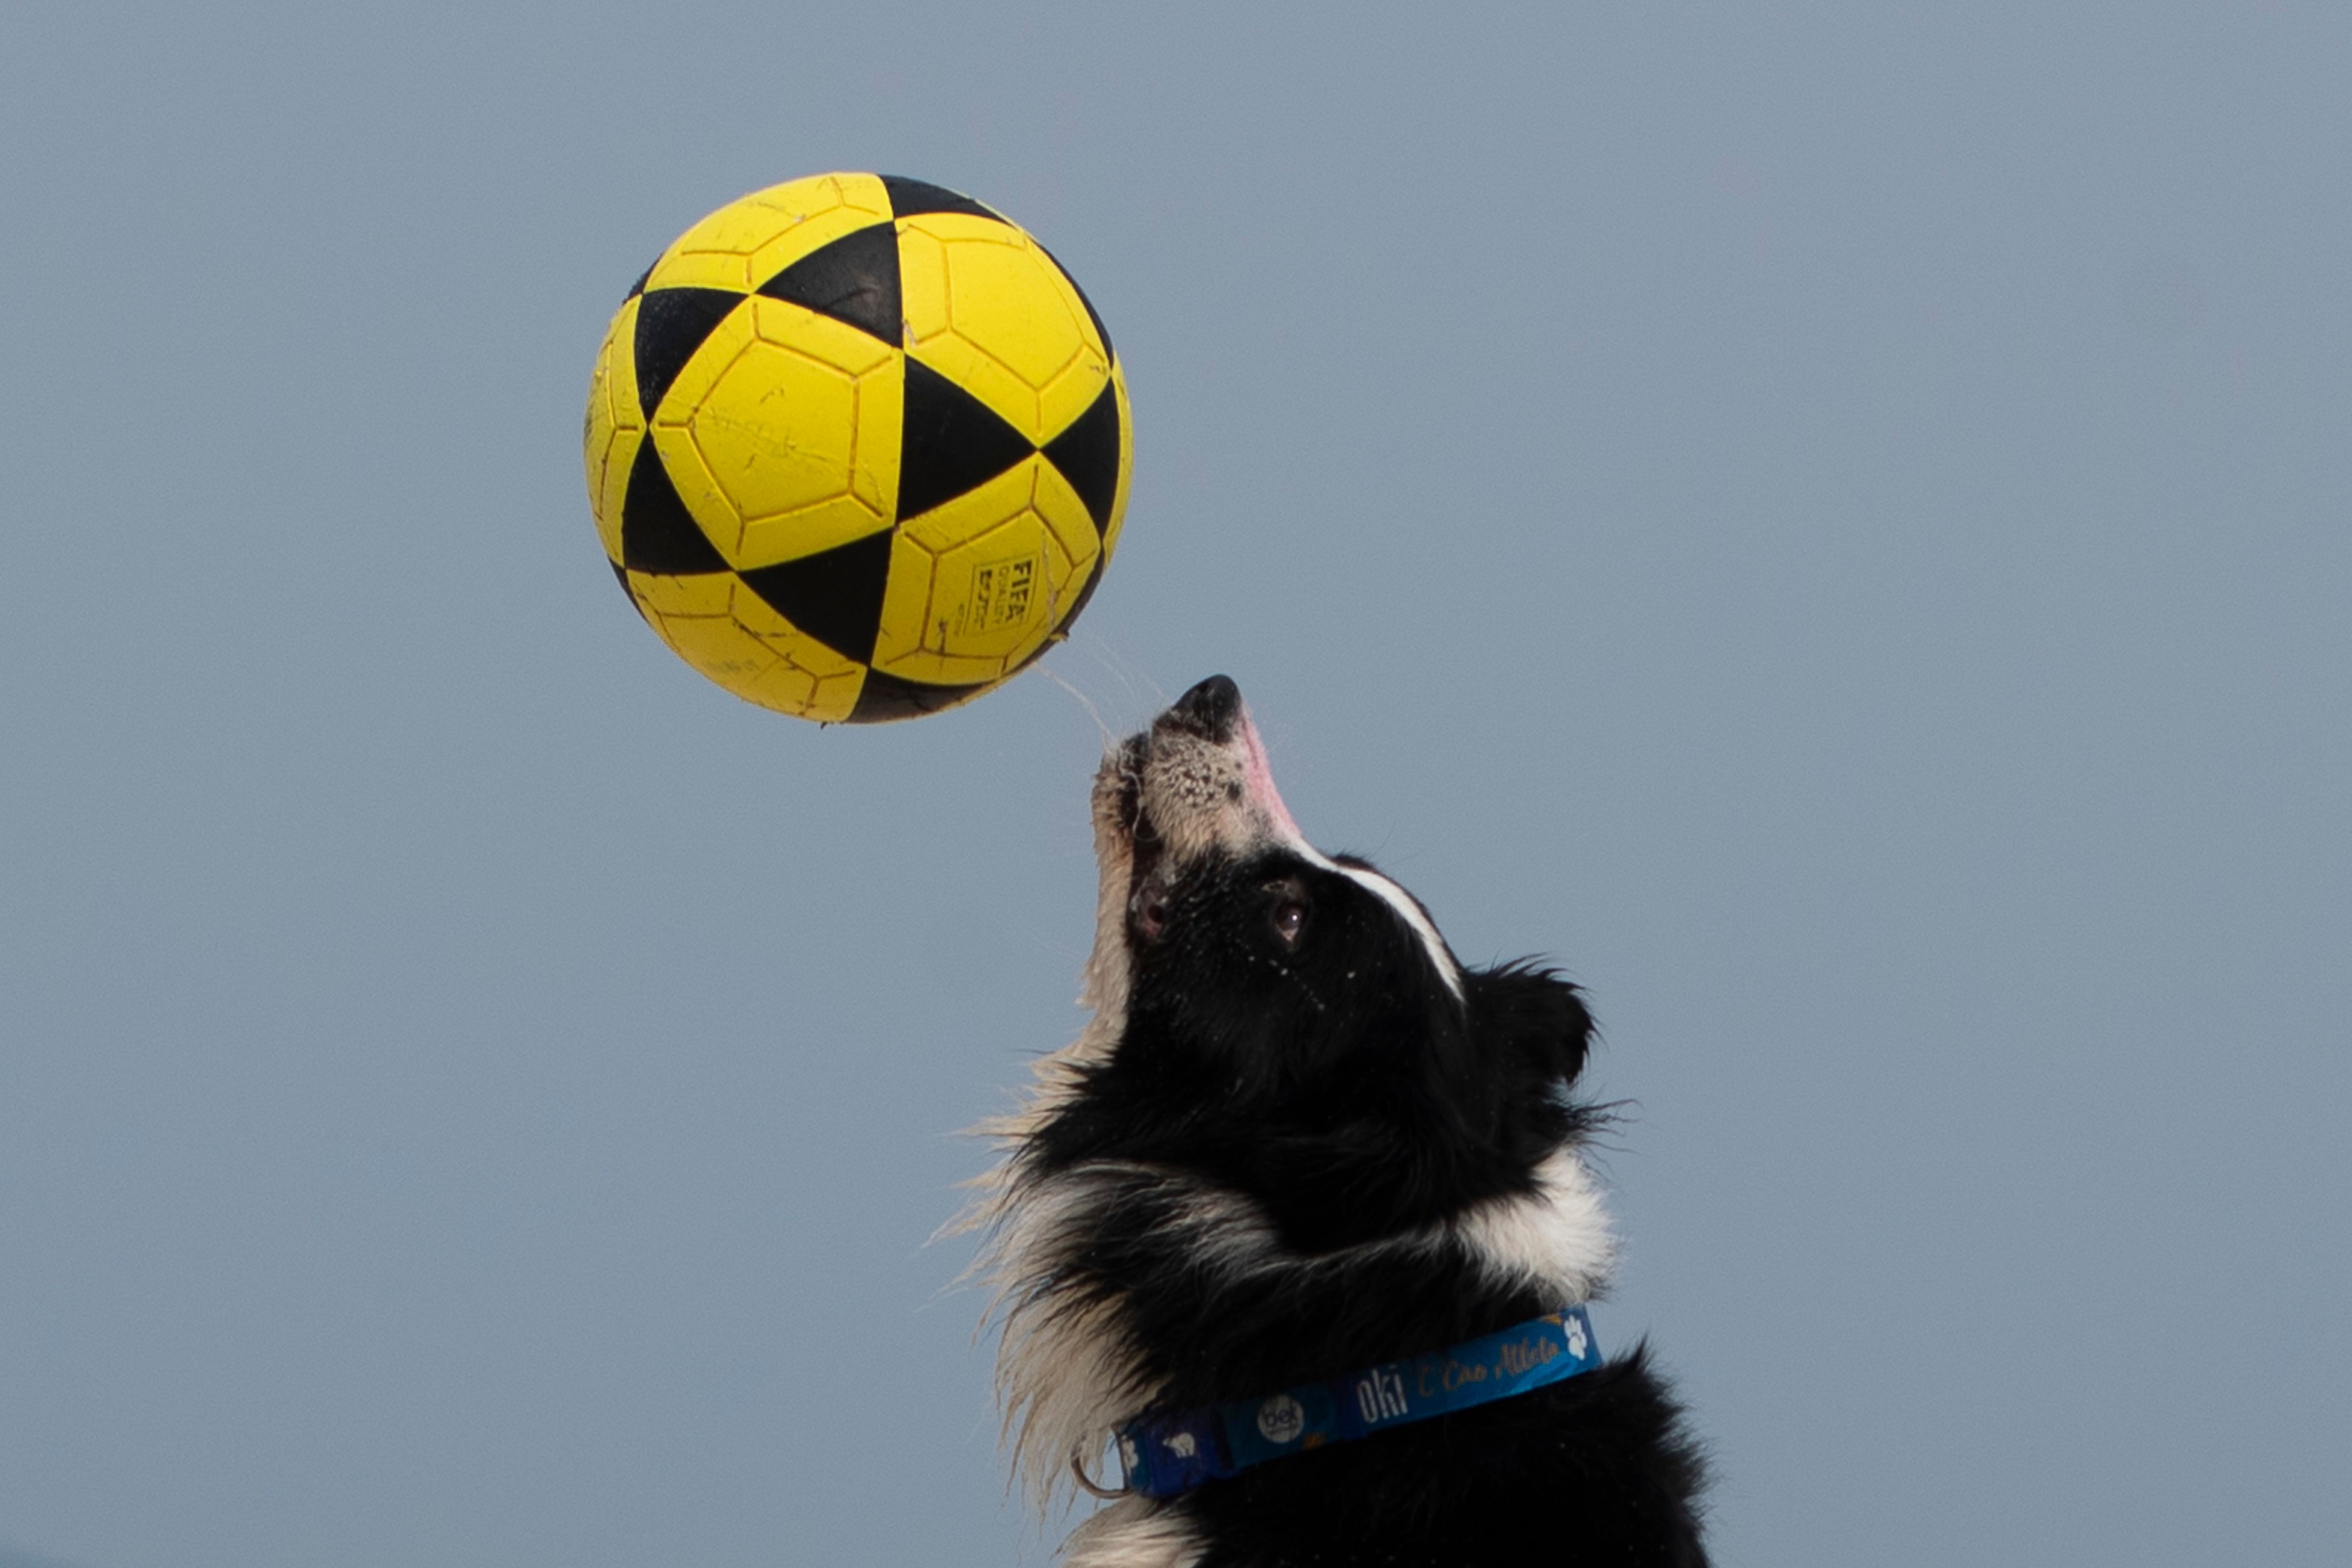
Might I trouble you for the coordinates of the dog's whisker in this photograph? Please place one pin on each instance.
(1083, 700)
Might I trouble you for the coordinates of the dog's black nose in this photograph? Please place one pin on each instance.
(1208, 709)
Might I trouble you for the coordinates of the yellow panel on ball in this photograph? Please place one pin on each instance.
(858, 446)
(801, 432)
(709, 594)
(990, 310)
(749, 241)
(614, 427)
(1068, 528)
(780, 432)
(722, 629)
(716, 645)
(975, 584)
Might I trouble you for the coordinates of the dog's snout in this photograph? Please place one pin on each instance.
(1209, 709)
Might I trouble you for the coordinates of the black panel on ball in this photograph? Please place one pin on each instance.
(834, 595)
(620, 575)
(909, 197)
(887, 697)
(657, 533)
(671, 324)
(1077, 607)
(1092, 314)
(853, 279)
(952, 442)
(1087, 454)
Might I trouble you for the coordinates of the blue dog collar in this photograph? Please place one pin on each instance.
(1165, 1452)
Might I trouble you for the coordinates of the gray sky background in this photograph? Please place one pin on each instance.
(1831, 519)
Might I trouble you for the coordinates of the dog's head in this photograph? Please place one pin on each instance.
(1240, 940)
(1310, 985)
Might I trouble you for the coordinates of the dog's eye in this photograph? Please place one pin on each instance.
(1289, 920)
(1149, 911)
(1285, 909)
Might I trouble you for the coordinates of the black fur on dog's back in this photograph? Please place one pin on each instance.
(1299, 1139)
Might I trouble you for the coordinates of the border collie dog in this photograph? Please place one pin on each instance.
(1297, 1143)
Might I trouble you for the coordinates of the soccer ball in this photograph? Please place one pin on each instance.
(858, 448)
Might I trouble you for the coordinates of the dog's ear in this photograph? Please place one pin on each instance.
(1530, 1011)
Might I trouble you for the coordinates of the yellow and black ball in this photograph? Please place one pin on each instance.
(858, 448)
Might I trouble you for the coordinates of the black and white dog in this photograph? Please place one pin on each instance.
(1297, 1140)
